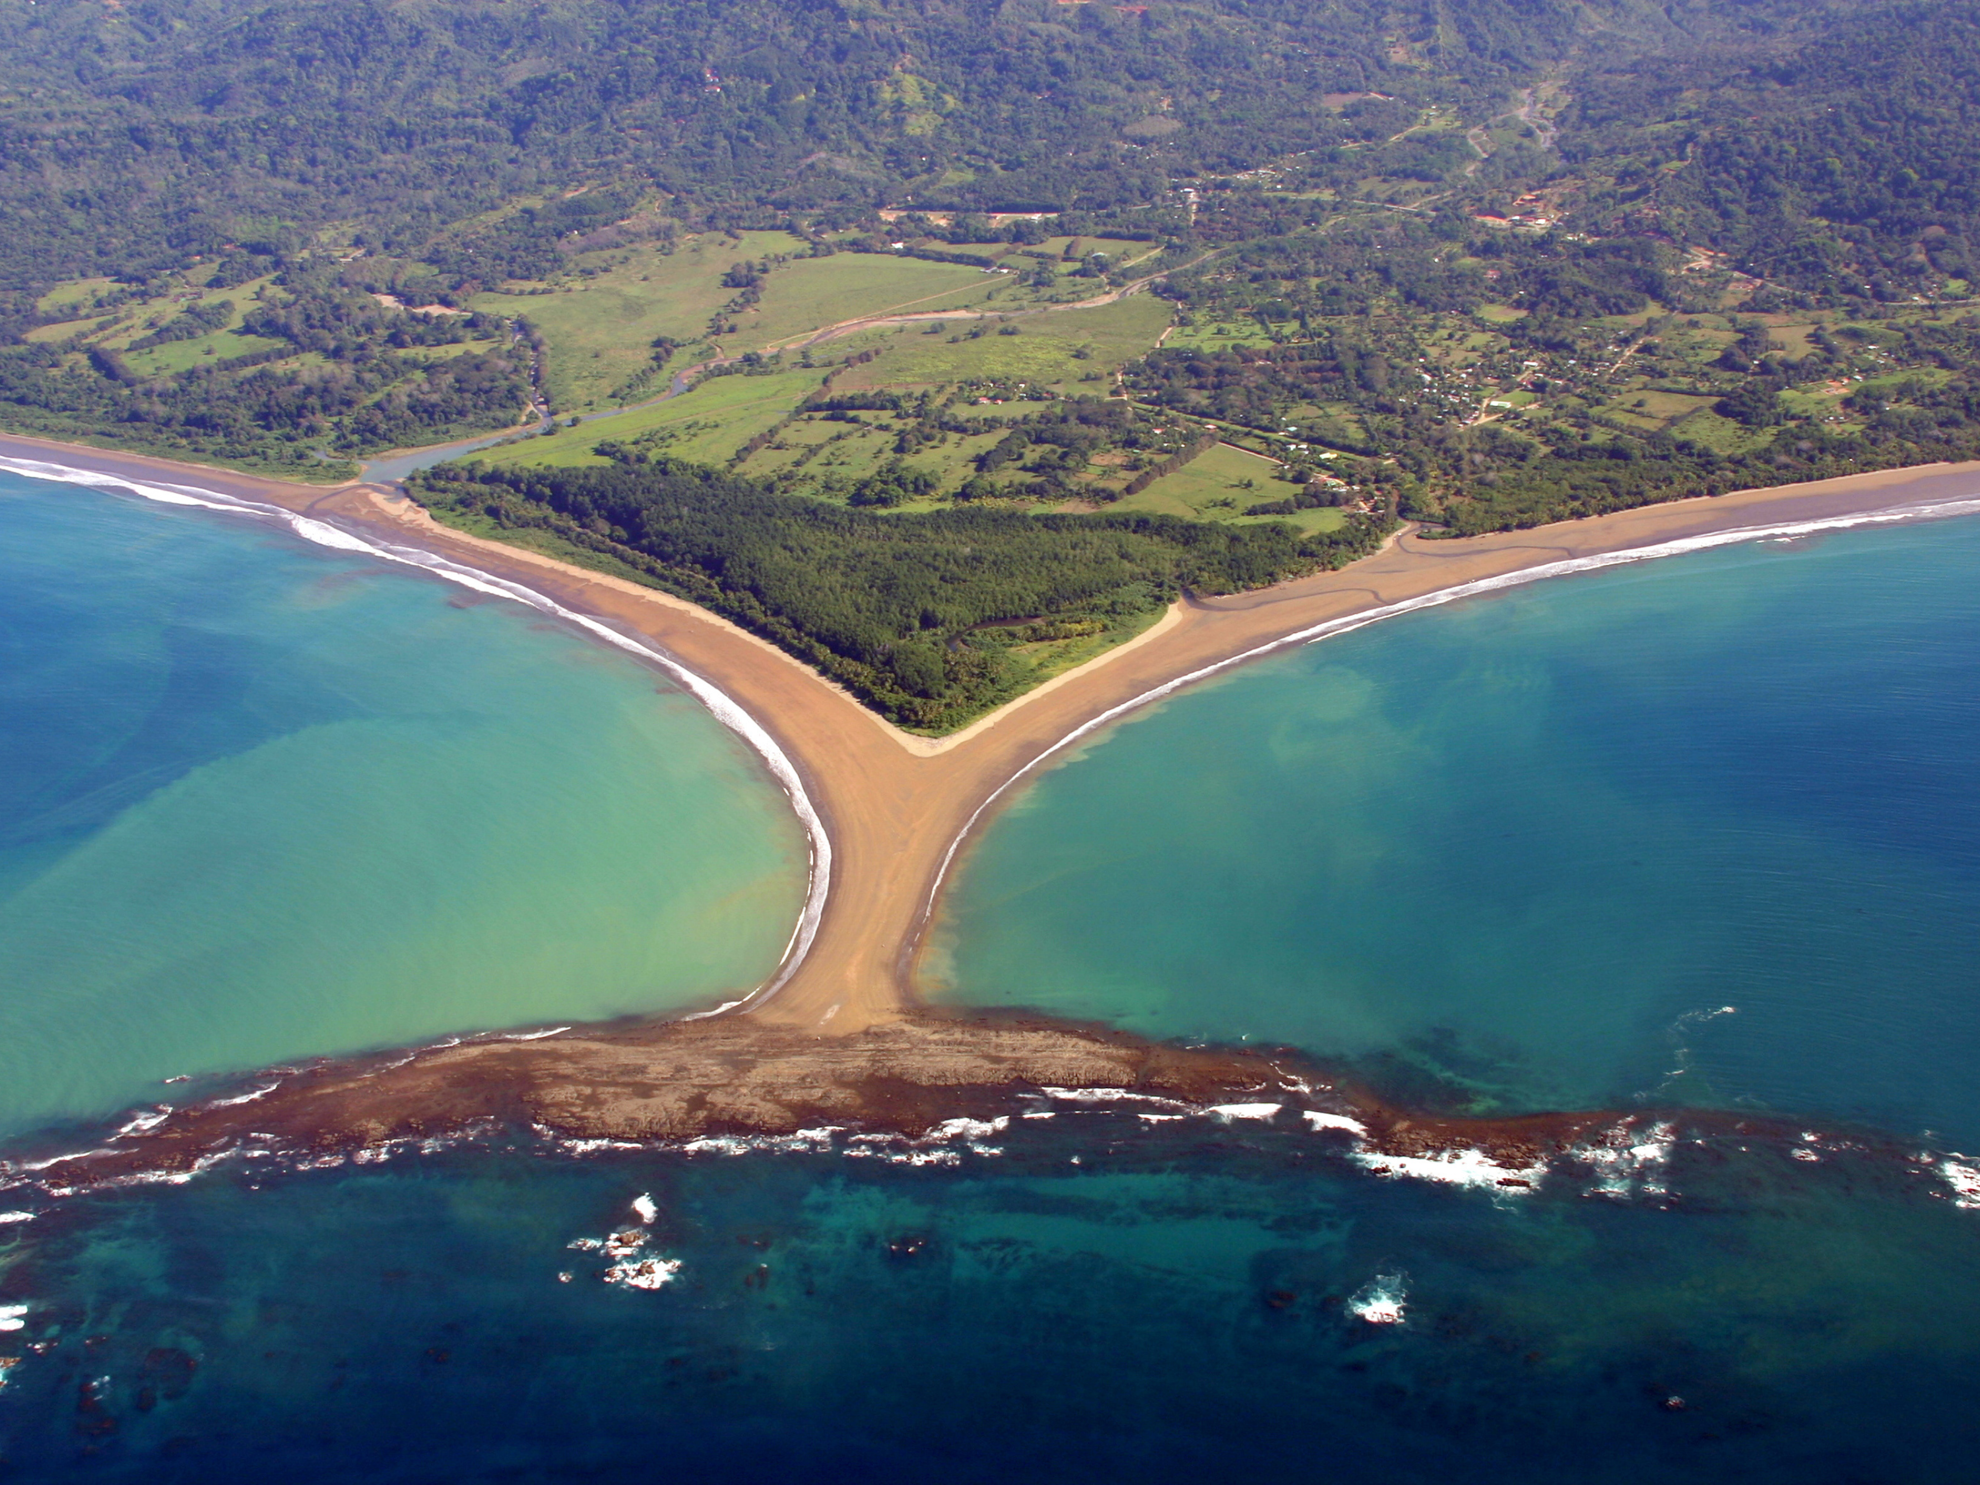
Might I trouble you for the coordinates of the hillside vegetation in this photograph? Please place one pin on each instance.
(1289, 272)
(930, 618)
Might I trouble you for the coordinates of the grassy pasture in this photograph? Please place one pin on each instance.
(132, 322)
(64, 330)
(1651, 410)
(824, 450)
(599, 330)
(1046, 658)
(79, 294)
(1045, 352)
(812, 293)
(218, 348)
(135, 321)
(1806, 403)
(1210, 487)
(710, 422)
(1212, 334)
(1715, 432)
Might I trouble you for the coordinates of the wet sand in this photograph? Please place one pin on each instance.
(844, 1040)
(739, 1077)
(898, 807)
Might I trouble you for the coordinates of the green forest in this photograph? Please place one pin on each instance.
(931, 618)
(1192, 293)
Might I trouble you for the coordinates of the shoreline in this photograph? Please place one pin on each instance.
(921, 1090)
(893, 812)
(302, 523)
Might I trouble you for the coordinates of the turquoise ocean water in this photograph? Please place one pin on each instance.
(1522, 853)
(259, 800)
(1701, 831)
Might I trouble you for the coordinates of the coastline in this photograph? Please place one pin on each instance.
(917, 1084)
(893, 811)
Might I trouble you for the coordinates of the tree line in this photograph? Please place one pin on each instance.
(916, 613)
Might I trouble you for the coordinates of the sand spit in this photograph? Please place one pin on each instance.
(895, 810)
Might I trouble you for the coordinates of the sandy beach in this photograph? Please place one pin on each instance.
(897, 808)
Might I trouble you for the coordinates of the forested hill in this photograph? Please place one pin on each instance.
(1846, 156)
(134, 132)
(1476, 262)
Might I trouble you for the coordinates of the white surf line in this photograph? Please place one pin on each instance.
(724, 708)
(1956, 506)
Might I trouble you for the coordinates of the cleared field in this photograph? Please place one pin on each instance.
(1810, 404)
(219, 348)
(814, 448)
(1217, 485)
(1216, 335)
(707, 424)
(599, 331)
(1210, 487)
(1045, 659)
(1929, 376)
(812, 293)
(1719, 433)
(135, 321)
(64, 330)
(118, 327)
(1657, 409)
(1064, 350)
(78, 294)
(1119, 250)
(1324, 518)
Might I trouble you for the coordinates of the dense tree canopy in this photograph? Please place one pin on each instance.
(1509, 260)
(916, 613)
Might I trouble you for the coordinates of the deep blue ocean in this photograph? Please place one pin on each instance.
(1696, 842)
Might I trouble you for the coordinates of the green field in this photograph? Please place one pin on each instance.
(77, 294)
(1721, 434)
(1070, 350)
(599, 327)
(137, 319)
(1657, 409)
(1067, 351)
(817, 449)
(812, 293)
(63, 330)
(1218, 484)
(707, 423)
(180, 355)
(1210, 334)
(1211, 486)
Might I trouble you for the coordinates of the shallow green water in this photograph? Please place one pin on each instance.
(1701, 831)
(260, 801)
(1520, 852)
